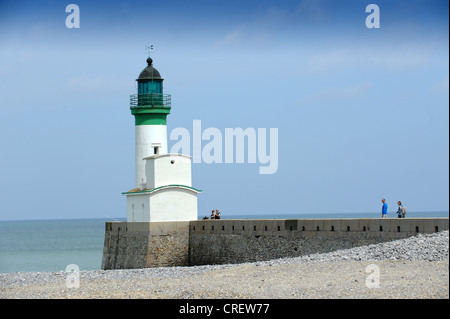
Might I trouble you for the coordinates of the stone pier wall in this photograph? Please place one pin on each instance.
(145, 245)
(237, 241)
(165, 244)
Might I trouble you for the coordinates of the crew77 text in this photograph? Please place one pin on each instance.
(246, 308)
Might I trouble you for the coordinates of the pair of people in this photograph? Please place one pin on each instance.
(401, 212)
(215, 214)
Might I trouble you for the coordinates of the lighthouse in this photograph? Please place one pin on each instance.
(150, 108)
(163, 189)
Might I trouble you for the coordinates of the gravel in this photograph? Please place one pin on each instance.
(428, 247)
(415, 267)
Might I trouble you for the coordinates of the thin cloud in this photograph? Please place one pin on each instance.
(313, 11)
(402, 57)
(98, 83)
(337, 94)
(258, 32)
(441, 87)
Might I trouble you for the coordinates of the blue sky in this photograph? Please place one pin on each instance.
(361, 113)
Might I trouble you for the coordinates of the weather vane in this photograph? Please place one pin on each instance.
(149, 49)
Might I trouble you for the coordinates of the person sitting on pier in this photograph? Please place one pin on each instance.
(217, 214)
(213, 214)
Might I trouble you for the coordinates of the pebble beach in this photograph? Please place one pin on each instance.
(410, 268)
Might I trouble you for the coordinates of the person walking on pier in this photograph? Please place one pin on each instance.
(384, 208)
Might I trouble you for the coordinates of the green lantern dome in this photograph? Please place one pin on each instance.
(149, 73)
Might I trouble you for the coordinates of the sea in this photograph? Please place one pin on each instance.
(53, 245)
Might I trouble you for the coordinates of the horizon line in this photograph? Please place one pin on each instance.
(250, 214)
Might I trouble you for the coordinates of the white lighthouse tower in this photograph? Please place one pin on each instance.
(163, 190)
(150, 108)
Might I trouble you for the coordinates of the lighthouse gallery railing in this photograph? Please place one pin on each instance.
(151, 100)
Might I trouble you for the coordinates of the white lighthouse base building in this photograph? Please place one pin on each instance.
(167, 193)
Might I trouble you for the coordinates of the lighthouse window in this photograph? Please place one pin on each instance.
(155, 87)
(142, 88)
(149, 87)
